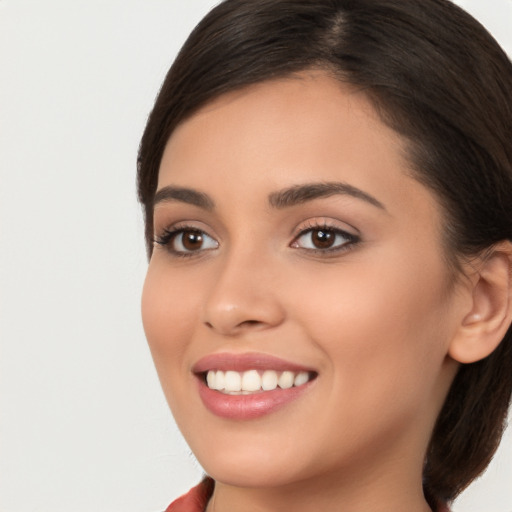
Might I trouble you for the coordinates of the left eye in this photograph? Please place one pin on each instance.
(191, 241)
(323, 239)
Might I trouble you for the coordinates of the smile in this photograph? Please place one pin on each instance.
(254, 381)
(249, 386)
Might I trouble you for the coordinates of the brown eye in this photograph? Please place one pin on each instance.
(322, 238)
(191, 240)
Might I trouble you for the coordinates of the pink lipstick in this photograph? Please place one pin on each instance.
(250, 385)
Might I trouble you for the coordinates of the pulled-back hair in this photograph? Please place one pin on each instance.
(440, 80)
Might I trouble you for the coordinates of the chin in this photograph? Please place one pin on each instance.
(249, 462)
(251, 474)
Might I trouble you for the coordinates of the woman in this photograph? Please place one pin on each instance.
(327, 189)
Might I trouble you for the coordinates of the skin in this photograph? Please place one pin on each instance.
(374, 319)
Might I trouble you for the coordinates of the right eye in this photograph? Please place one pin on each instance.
(186, 241)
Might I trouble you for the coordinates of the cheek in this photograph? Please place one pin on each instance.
(385, 349)
(381, 325)
(168, 316)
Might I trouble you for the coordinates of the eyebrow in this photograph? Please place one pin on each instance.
(184, 195)
(286, 198)
(299, 194)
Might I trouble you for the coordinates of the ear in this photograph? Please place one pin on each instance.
(485, 324)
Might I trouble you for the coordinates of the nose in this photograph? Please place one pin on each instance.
(243, 298)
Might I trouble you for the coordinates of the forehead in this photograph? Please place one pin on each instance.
(303, 129)
(307, 118)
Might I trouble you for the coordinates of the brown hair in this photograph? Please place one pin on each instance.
(438, 78)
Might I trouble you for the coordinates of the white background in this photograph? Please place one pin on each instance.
(83, 423)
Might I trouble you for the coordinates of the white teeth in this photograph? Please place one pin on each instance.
(301, 378)
(219, 380)
(269, 380)
(252, 381)
(286, 380)
(233, 381)
(211, 378)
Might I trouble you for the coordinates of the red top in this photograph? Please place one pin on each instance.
(197, 498)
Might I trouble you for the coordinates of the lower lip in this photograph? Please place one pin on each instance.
(248, 407)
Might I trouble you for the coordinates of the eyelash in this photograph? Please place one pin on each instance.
(351, 239)
(168, 236)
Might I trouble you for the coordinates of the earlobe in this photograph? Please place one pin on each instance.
(486, 323)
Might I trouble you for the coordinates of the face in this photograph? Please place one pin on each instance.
(297, 258)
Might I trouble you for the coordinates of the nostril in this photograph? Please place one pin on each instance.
(245, 323)
(250, 322)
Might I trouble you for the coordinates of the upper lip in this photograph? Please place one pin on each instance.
(247, 361)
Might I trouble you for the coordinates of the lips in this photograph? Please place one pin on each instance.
(247, 386)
